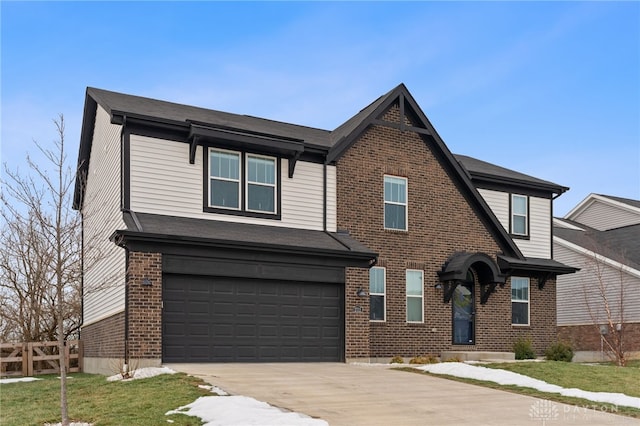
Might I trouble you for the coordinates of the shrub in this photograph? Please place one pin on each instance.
(524, 348)
(397, 360)
(559, 351)
(453, 359)
(424, 359)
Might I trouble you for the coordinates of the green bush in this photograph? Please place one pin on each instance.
(524, 348)
(559, 351)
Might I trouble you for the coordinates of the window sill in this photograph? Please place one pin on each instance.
(521, 325)
(243, 213)
(520, 237)
(396, 231)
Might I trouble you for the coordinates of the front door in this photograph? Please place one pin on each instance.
(464, 312)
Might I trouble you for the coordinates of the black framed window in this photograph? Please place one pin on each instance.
(241, 183)
(519, 208)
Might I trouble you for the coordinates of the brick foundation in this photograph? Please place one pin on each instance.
(587, 337)
(104, 339)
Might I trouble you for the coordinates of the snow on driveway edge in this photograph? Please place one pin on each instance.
(504, 377)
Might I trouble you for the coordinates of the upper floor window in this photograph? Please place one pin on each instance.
(519, 301)
(261, 184)
(242, 183)
(377, 284)
(224, 182)
(395, 203)
(519, 215)
(415, 286)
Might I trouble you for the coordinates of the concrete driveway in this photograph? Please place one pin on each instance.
(360, 394)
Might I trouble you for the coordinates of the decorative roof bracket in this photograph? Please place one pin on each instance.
(448, 287)
(193, 144)
(486, 290)
(542, 279)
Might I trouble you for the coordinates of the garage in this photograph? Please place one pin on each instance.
(239, 319)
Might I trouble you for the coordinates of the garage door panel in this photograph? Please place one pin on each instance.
(235, 320)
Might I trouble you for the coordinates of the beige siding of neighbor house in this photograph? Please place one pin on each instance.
(163, 182)
(578, 298)
(603, 216)
(539, 242)
(104, 262)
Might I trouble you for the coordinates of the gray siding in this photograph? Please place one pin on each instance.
(578, 295)
(539, 242)
(163, 182)
(104, 262)
(604, 215)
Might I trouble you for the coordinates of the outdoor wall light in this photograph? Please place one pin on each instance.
(146, 281)
(437, 286)
(361, 292)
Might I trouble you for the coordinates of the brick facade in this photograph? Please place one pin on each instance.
(587, 337)
(104, 339)
(144, 296)
(440, 223)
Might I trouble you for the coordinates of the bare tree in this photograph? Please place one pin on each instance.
(41, 260)
(604, 297)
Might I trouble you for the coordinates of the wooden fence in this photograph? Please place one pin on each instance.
(33, 358)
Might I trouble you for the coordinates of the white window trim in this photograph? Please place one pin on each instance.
(405, 204)
(238, 181)
(274, 185)
(525, 215)
(415, 297)
(528, 302)
(384, 294)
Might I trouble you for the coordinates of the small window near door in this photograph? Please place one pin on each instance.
(519, 301)
(377, 288)
(415, 305)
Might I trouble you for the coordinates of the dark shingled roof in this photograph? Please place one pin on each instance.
(120, 103)
(481, 170)
(620, 244)
(242, 234)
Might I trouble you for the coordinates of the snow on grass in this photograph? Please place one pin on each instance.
(20, 379)
(504, 377)
(227, 410)
(242, 411)
(214, 389)
(143, 373)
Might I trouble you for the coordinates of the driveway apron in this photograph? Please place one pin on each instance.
(363, 394)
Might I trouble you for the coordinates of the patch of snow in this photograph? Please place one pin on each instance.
(504, 377)
(214, 389)
(242, 411)
(143, 373)
(20, 379)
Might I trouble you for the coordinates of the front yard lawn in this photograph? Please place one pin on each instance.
(589, 377)
(94, 400)
(586, 377)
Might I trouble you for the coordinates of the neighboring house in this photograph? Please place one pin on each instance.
(601, 236)
(211, 236)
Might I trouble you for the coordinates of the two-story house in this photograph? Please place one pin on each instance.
(601, 302)
(211, 236)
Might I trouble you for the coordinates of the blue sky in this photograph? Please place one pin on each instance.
(551, 89)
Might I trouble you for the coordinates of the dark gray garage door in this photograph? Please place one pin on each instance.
(226, 319)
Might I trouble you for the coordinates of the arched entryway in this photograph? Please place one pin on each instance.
(461, 276)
